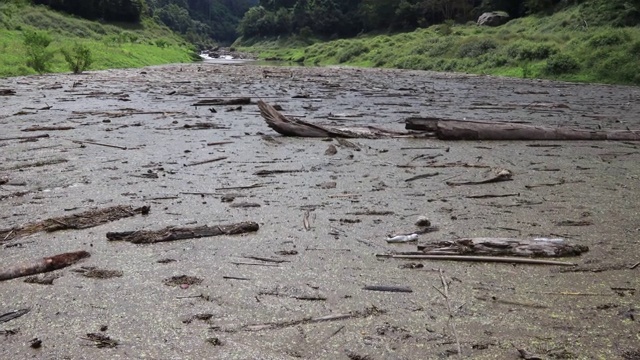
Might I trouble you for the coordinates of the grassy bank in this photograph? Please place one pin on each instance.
(562, 46)
(111, 45)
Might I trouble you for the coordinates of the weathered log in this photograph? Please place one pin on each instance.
(83, 220)
(473, 258)
(477, 130)
(238, 101)
(175, 233)
(295, 127)
(43, 265)
(539, 247)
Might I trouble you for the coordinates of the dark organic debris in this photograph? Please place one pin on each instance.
(101, 340)
(78, 221)
(35, 343)
(43, 265)
(35, 137)
(214, 341)
(48, 128)
(43, 279)
(181, 280)
(93, 272)
(176, 233)
(244, 205)
(386, 288)
(212, 102)
(7, 92)
(574, 223)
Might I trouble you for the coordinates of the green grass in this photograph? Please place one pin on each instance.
(563, 46)
(111, 45)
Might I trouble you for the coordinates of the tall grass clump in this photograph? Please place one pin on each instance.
(38, 56)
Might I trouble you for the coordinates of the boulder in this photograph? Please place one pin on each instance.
(493, 18)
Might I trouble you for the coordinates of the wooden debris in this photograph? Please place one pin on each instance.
(176, 233)
(7, 92)
(574, 223)
(43, 265)
(423, 176)
(511, 260)
(501, 175)
(475, 130)
(181, 280)
(25, 137)
(13, 315)
(539, 247)
(445, 293)
(48, 128)
(371, 311)
(204, 126)
(100, 144)
(259, 258)
(211, 102)
(206, 161)
(386, 288)
(43, 279)
(294, 127)
(94, 272)
(101, 340)
(78, 221)
(274, 172)
(244, 205)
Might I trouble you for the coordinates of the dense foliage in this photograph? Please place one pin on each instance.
(345, 18)
(199, 21)
(109, 10)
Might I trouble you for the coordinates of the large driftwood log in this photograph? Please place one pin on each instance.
(43, 265)
(296, 127)
(476, 130)
(175, 233)
(540, 247)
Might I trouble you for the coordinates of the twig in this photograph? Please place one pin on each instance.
(635, 265)
(452, 324)
(206, 161)
(512, 260)
(305, 221)
(254, 264)
(241, 187)
(100, 144)
(219, 143)
(25, 137)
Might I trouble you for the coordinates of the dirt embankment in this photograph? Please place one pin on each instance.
(81, 155)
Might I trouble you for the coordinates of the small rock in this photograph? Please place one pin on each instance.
(423, 221)
(331, 150)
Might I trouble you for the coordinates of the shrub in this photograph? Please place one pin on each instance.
(608, 38)
(476, 48)
(350, 52)
(528, 51)
(38, 57)
(78, 58)
(561, 64)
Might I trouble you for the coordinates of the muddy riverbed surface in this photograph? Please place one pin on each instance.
(295, 288)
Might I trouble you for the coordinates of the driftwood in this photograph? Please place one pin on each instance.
(476, 130)
(505, 247)
(48, 128)
(13, 315)
(238, 101)
(25, 137)
(473, 258)
(500, 175)
(175, 233)
(78, 221)
(295, 127)
(43, 265)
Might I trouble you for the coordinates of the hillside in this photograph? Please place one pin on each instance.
(575, 43)
(112, 45)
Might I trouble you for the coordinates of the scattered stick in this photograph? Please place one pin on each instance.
(491, 196)
(385, 288)
(25, 137)
(253, 264)
(175, 233)
(635, 265)
(423, 176)
(48, 128)
(277, 261)
(511, 260)
(235, 278)
(219, 143)
(44, 265)
(305, 221)
(211, 102)
(206, 161)
(372, 311)
(452, 324)
(252, 186)
(11, 315)
(501, 175)
(100, 144)
(273, 172)
(83, 220)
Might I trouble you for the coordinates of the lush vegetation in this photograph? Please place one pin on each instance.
(578, 43)
(35, 39)
(202, 22)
